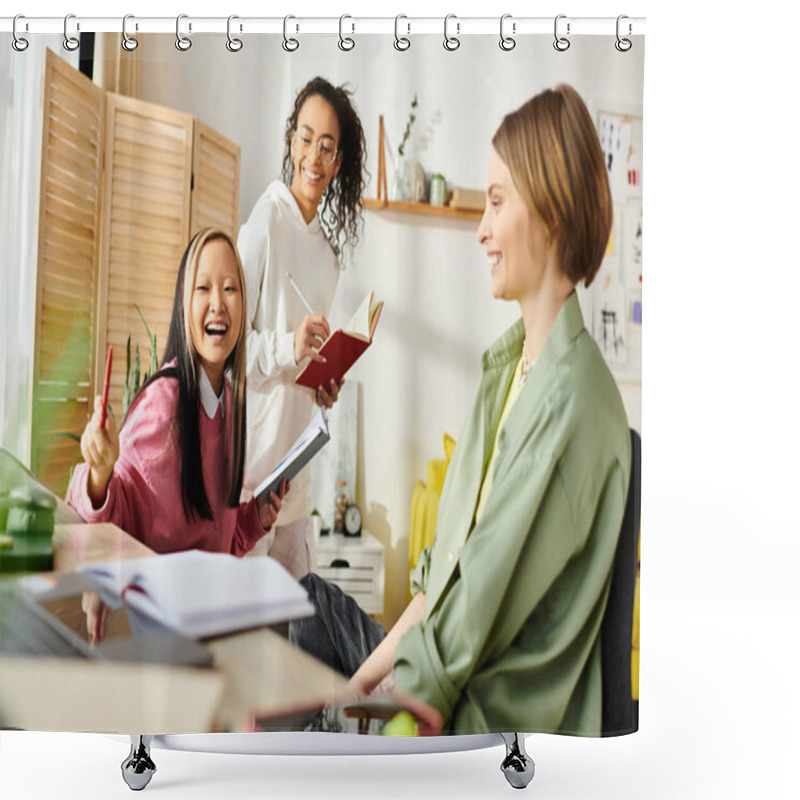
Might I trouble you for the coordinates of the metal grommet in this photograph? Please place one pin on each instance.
(128, 42)
(561, 43)
(451, 42)
(401, 43)
(233, 44)
(345, 42)
(71, 43)
(183, 43)
(18, 43)
(289, 44)
(623, 45)
(507, 42)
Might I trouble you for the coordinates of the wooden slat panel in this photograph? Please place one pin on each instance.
(69, 159)
(86, 125)
(58, 277)
(73, 118)
(145, 226)
(84, 182)
(85, 144)
(215, 195)
(157, 160)
(67, 191)
(80, 97)
(68, 304)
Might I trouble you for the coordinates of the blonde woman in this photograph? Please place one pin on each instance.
(503, 631)
(172, 475)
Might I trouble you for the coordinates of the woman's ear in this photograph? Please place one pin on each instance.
(338, 164)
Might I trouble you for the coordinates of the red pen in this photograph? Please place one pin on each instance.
(106, 384)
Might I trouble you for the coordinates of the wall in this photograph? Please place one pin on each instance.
(418, 381)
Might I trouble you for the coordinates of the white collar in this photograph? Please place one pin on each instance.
(208, 399)
(288, 199)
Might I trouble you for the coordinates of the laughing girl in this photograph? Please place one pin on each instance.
(172, 475)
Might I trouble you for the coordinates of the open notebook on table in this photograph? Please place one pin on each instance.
(199, 594)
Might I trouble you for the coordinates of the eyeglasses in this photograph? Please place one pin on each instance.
(326, 150)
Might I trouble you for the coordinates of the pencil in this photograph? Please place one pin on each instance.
(106, 384)
(299, 293)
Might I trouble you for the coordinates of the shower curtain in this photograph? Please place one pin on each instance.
(94, 260)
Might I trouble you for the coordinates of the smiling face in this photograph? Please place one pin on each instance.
(215, 313)
(516, 241)
(315, 156)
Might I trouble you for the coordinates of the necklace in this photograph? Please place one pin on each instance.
(527, 363)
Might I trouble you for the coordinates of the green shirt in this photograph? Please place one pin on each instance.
(511, 635)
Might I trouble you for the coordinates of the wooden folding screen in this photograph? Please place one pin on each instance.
(124, 184)
(66, 281)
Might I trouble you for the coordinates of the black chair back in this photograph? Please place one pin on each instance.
(620, 713)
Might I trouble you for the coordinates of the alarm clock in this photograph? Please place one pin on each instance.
(352, 520)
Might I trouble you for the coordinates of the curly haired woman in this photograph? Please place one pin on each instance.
(300, 226)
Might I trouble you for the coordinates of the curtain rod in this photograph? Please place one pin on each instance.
(349, 25)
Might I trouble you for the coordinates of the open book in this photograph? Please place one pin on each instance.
(343, 347)
(308, 444)
(199, 594)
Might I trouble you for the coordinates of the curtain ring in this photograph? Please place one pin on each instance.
(71, 43)
(401, 43)
(507, 42)
(18, 43)
(183, 43)
(233, 44)
(289, 44)
(345, 42)
(451, 43)
(623, 45)
(128, 42)
(561, 43)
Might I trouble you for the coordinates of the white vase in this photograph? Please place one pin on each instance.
(417, 183)
(398, 191)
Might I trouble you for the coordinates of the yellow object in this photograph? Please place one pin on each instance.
(425, 505)
(401, 724)
(635, 637)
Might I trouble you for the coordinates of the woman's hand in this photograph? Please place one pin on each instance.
(96, 614)
(308, 338)
(268, 511)
(100, 450)
(329, 397)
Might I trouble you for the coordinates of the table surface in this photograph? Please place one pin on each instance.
(256, 673)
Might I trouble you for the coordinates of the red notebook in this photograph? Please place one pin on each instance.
(343, 347)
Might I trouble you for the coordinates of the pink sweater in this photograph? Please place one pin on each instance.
(144, 494)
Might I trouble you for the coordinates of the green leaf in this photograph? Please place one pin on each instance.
(141, 317)
(137, 373)
(68, 435)
(153, 357)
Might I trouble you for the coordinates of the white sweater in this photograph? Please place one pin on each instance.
(274, 240)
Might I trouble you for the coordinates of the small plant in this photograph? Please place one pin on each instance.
(411, 118)
(133, 376)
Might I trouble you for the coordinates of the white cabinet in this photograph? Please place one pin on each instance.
(356, 565)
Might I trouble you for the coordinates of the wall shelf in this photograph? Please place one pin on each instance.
(372, 204)
(382, 202)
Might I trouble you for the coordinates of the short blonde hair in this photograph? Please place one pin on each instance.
(551, 148)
